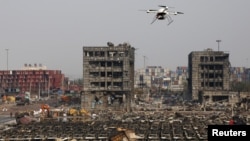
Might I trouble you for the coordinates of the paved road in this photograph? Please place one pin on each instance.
(6, 119)
(12, 108)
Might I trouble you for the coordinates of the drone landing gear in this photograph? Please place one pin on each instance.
(170, 22)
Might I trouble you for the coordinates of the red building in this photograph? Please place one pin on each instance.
(33, 79)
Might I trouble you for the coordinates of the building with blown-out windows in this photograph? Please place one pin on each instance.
(108, 76)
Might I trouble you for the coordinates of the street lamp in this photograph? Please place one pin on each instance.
(144, 62)
(7, 51)
(144, 57)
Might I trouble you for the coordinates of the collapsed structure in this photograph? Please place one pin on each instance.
(209, 76)
(108, 83)
(108, 76)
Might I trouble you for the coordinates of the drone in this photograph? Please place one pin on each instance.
(163, 13)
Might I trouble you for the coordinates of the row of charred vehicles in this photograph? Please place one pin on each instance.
(121, 126)
(18, 99)
(47, 113)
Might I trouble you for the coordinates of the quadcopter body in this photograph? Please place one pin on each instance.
(163, 13)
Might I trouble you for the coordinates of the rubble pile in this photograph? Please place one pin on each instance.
(143, 125)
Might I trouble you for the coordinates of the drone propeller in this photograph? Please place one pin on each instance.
(150, 10)
(180, 13)
(164, 6)
(174, 13)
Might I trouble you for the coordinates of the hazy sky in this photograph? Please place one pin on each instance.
(53, 32)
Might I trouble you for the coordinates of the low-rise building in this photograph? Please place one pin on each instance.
(34, 79)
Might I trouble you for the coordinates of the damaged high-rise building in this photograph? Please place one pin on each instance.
(108, 76)
(209, 75)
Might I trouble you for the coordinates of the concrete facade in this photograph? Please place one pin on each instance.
(108, 76)
(208, 71)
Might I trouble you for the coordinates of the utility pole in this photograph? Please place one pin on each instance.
(39, 91)
(247, 63)
(7, 51)
(218, 41)
(48, 87)
(144, 57)
(144, 62)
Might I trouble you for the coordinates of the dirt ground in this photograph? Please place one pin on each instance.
(8, 108)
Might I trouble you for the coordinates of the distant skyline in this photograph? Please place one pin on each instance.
(53, 33)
